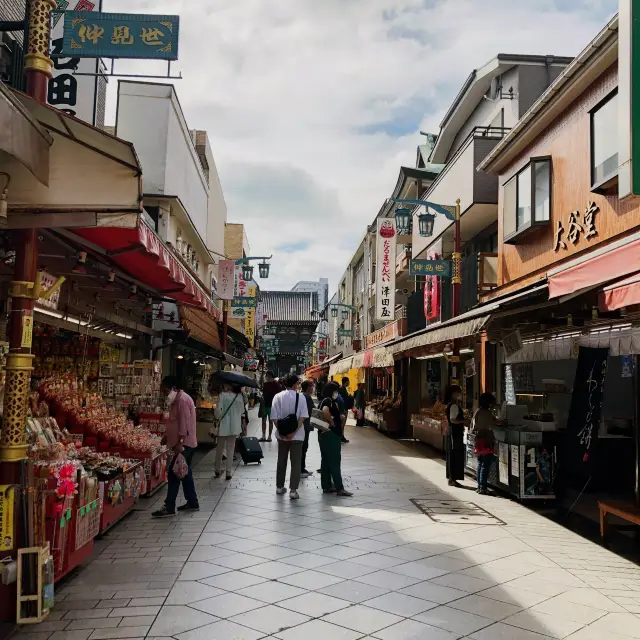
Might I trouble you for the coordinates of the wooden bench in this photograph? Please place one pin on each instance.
(622, 509)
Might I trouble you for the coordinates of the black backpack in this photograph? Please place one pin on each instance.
(289, 425)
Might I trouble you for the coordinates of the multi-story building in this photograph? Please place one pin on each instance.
(321, 287)
(236, 246)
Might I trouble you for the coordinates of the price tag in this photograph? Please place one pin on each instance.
(27, 332)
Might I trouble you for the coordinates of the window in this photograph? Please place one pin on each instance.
(526, 200)
(604, 144)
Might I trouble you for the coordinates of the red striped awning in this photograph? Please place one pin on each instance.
(142, 254)
(624, 293)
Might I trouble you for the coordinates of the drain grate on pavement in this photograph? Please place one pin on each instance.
(455, 512)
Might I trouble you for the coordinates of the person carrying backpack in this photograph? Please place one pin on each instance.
(288, 412)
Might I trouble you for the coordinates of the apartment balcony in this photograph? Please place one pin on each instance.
(477, 191)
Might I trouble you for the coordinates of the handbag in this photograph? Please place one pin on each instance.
(180, 467)
(318, 421)
(289, 424)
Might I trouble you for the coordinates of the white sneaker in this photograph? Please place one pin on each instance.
(281, 490)
(293, 495)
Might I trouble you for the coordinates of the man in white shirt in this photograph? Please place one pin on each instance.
(289, 420)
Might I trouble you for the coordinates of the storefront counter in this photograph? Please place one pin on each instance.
(429, 430)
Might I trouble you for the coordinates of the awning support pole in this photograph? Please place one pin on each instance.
(456, 283)
(225, 324)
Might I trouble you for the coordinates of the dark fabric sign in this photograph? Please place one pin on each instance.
(586, 408)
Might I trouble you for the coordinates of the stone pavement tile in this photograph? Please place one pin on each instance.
(143, 593)
(500, 631)
(625, 624)
(315, 605)
(407, 554)
(485, 607)
(189, 592)
(271, 592)
(311, 580)
(308, 560)
(33, 635)
(308, 544)
(463, 583)
(241, 545)
(512, 595)
(318, 630)
(362, 619)
(273, 570)
(378, 561)
(102, 623)
(232, 581)
(173, 620)
(496, 576)
(143, 602)
(400, 604)
(347, 570)
(223, 630)
(354, 591)
(274, 552)
(134, 611)
(434, 592)
(414, 630)
(589, 633)
(454, 620)
(419, 570)
(238, 561)
(119, 632)
(542, 587)
(393, 581)
(271, 619)
(592, 598)
(54, 625)
(71, 635)
(543, 623)
(111, 603)
(137, 621)
(200, 570)
(561, 608)
(227, 605)
(87, 614)
(340, 552)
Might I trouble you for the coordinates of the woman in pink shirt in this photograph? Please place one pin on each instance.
(180, 437)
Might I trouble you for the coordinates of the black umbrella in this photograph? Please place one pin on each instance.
(231, 377)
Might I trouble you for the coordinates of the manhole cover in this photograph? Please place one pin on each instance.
(455, 512)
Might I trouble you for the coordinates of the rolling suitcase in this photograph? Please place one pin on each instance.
(250, 449)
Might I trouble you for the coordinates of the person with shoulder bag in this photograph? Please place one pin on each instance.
(288, 412)
(330, 441)
(229, 412)
(482, 428)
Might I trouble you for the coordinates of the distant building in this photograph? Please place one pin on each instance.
(321, 287)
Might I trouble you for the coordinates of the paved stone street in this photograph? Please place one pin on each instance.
(252, 564)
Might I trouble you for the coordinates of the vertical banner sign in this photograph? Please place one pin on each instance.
(586, 409)
(7, 510)
(386, 270)
(239, 291)
(250, 318)
(226, 282)
(432, 290)
(73, 94)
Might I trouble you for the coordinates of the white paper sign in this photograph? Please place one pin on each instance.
(73, 94)
(386, 270)
(226, 279)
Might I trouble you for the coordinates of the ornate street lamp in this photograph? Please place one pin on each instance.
(403, 220)
(334, 312)
(425, 224)
(263, 269)
(247, 271)
(345, 314)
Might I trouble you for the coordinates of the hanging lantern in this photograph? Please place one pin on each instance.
(425, 224)
(403, 220)
(345, 314)
(263, 269)
(334, 312)
(247, 271)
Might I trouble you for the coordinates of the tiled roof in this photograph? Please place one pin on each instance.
(289, 306)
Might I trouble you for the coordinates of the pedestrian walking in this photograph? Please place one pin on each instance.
(307, 390)
(270, 389)
(229, 412)
(180, 437)
(346, 403)
(359, 404)
(455, 448)
(482, 428)
(330, 443)
(288, 412)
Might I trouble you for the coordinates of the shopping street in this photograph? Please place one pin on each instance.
(254, 565)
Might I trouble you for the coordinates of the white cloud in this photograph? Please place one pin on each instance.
(311, 107)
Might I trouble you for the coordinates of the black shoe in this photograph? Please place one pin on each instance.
(344, 493)
(344, 440)
(332, 490)
(319, 471)
(188, 507)
(163, 513)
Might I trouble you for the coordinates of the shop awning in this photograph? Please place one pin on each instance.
(624, 293)
(140, 252)
(439, 333)
(22, 138)
(342, 366)
(382, 358)
(620, 260)
(201, 325)
(358, 360)
(322, 366)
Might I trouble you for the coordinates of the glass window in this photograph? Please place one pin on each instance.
(604, 141)
(542, 194)
(509, 208)
(524, 198)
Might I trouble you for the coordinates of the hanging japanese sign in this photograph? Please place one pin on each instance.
(441, 268)
(67, 90)
(121, 35)
(586, 408)
(238, 309)
(432, 287)
(386, 269)
(250, 318)
(226, 280)
(345, 333)
(7, 512)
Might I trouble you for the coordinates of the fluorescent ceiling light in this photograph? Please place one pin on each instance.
(49, 312)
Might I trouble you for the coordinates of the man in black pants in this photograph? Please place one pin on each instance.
(307, 390)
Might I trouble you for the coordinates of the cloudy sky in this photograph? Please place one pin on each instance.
(313, 105)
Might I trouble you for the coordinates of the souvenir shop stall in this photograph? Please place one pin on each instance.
(384, 405)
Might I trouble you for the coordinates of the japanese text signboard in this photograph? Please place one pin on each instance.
(238, 309)
(250, 318)
(226, 281)
(7, 511)
(432, 290)
(244, 302)
(120, 35)
(585, 412)
(386, 269)
(441, 268)
(74, 94)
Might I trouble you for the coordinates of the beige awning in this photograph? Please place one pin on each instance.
(342, 366)
(22, 139)
(382, 358)
(437, 334)
(358, 361)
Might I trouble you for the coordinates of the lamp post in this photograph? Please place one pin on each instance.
(426, 222)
